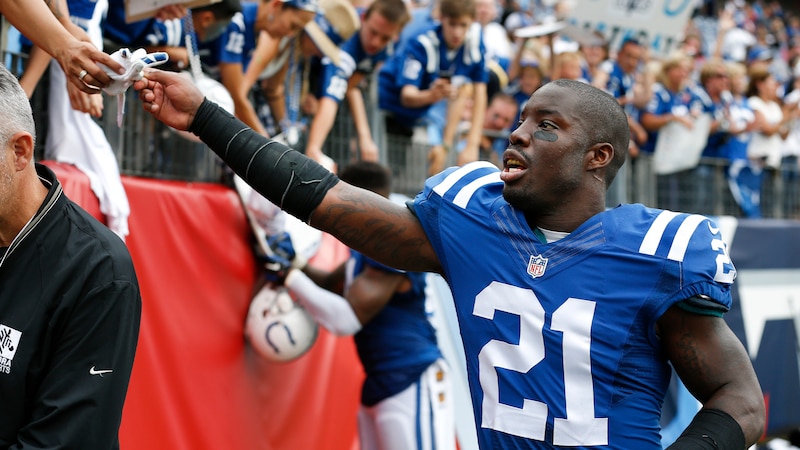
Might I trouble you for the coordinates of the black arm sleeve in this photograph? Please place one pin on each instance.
(711, 429)
(283, 175)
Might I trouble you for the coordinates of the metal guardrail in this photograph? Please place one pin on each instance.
(146, 148)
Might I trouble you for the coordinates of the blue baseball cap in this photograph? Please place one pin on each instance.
(305, 5)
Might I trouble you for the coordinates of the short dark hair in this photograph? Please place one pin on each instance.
(457, 8)
(394, 11)
(367, 175)
(629, 41)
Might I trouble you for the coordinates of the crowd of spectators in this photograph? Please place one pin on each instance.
(443, 71)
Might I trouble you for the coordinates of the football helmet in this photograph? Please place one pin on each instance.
(279, 329)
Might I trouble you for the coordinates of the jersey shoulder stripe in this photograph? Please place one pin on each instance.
(472, 44)
(430, 43)
(462, 183)
(678, 242)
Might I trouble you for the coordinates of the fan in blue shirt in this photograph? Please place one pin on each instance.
(360, 54)
(433, 66)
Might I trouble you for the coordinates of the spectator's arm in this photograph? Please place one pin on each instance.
(232, 78)
(320, 127)
(470, 152)
(355, 99)
(413, 97)
(44, 27)
(274, 90)
(266, 50)
(38, 62)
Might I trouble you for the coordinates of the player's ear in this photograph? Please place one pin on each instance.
(599, 155)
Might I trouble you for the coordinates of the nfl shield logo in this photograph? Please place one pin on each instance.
(536, 266)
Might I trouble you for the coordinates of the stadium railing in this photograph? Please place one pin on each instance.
(146, 148)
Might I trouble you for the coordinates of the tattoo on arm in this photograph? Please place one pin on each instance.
(698, 368)
(353, 221)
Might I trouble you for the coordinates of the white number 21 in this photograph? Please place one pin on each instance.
(574, 319)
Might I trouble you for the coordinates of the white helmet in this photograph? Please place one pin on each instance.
(279, 329)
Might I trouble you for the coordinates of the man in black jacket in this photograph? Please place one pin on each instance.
(70, 305)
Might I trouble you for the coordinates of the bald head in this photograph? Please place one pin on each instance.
(605, 121)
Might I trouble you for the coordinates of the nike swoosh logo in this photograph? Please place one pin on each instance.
(93, 371)
(712, 229)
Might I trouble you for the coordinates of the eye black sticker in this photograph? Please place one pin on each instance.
(545, 136)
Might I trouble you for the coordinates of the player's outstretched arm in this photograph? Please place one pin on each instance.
(716, 369)
(362, 220)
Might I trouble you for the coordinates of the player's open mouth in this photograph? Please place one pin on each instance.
(513, 165)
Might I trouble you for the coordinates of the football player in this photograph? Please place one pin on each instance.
(571, 314)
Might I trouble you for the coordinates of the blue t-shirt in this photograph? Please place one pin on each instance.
(399, 343)
(422, 60)
(559, 338)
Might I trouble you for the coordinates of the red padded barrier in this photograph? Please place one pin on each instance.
(196, 384)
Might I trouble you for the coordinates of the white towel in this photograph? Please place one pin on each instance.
(73, 137)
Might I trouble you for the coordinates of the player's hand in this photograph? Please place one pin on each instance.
(282, 259)
(171, 98)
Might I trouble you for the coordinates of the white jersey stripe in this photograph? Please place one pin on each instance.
(467, 191)
(430, 44)
(459, 173)
(681, 242)
(656, 231)
(472, 50)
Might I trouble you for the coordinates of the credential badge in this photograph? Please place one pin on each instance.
(537, 266)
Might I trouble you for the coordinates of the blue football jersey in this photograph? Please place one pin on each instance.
(559, 338)
(236, 44)
(399, 343)
(664, 101)
(425, 58)
(353, 59)
(619, 84)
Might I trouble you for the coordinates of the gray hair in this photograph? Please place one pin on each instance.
(14, 107)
